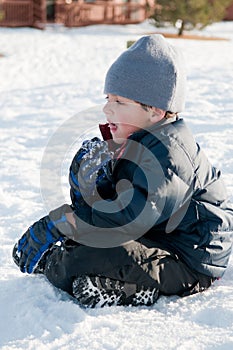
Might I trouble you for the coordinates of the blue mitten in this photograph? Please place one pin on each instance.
(87, 169)
(39, 238)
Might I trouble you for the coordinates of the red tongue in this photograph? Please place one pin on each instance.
(105, 131)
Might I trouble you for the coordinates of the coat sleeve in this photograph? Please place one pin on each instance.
(148, 193)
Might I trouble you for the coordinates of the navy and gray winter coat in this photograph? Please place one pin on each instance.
(162, 186)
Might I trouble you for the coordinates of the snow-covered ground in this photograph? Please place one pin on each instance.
(47, 77)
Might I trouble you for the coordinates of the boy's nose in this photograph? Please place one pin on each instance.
(107, 109)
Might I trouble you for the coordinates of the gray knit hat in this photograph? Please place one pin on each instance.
(152, 72)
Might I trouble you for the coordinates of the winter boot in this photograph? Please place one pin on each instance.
(145, 296)
(100, 291)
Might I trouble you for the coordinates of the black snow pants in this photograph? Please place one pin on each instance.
(135, 262)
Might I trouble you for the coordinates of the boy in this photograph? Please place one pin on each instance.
(149, 214)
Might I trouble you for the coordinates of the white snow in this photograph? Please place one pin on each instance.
(46, 78)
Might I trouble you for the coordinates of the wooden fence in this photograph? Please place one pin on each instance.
(16, 13)
(103, 12)
(23, 13)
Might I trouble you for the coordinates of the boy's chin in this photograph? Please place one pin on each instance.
(118, 140)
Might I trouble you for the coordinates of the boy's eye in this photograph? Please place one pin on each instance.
(116, 101)
(119, 102)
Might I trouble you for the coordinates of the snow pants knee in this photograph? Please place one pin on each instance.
(137, 262)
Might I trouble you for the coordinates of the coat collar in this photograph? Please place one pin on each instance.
(155, 127)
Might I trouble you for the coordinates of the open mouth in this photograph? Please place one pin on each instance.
(113, 127)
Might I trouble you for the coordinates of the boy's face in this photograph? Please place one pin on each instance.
(126, 116)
